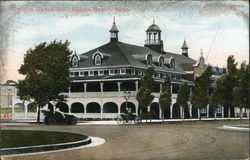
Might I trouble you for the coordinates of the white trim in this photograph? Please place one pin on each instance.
(102, 67)
(103, 80)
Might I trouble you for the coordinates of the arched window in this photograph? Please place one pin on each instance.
(149, 60)
(172, 64)
(98, 59)
(161, 62)
(75, 62)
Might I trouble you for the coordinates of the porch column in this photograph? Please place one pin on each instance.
(222, 111)
(208, 110)
(119, 86)
(119, 109)
(181, 108)
(199, 115)
(136, 86)
(171, 111)
(85, 111)
(101, 111)
(190, 110)
(101, 84)
(137, 109)
(26, 110)
(69, 108)
(171, 88)
(160, 87)
(85, 87)
(160, 112)
(69, 90)
(229, 112)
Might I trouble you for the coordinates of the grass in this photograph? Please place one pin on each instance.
(8, 110)
(21, 138)
(243, 126)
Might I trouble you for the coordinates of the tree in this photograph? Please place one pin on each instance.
(183, 97)
(165, 99)
(200, 97)
(241, 90)
(144, 95)
(46, 73)
(227, 83)
(214, 99)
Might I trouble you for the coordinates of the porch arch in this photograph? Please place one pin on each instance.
(110, 107)
(155, 107)
(63, 107)
(176, 111)
(77, 107)
(130, 105)
(93, 107)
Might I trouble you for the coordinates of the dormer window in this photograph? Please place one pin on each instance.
(172, 63)
(75, 62)
(161, 62)
(98, 60)
(149, 59)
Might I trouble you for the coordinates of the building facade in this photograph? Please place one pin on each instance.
(100, 77)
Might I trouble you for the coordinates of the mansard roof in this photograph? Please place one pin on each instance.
(128, 55)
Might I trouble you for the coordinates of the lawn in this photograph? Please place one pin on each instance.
(21, 138)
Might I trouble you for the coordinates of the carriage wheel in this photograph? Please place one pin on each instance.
(129, 121)
(119, 120)
(137, 120)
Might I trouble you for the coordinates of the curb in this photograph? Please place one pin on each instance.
(42, 148)
(232, 128)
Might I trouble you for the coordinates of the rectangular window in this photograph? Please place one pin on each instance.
(128, 71)
(157, 74)
(106, 72)
(86, 73)
(173, 77)
(81, 73)
(139, 72)
(122, 71)
(112, 72)
(96, 73)
(100, 72)
(132, 71)
(76, 74)
(91, 73)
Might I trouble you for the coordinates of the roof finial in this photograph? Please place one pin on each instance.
(153, 20)
(201, 52)
(113, 19)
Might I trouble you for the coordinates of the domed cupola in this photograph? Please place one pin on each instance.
(153, 40)
(114, 32)
(184, 49)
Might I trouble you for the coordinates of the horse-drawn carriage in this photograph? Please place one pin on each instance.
(130, 118)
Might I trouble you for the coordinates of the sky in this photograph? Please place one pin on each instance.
(219, 28)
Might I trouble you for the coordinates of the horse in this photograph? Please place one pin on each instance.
(147, 115)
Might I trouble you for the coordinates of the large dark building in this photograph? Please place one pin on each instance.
(100, 76)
